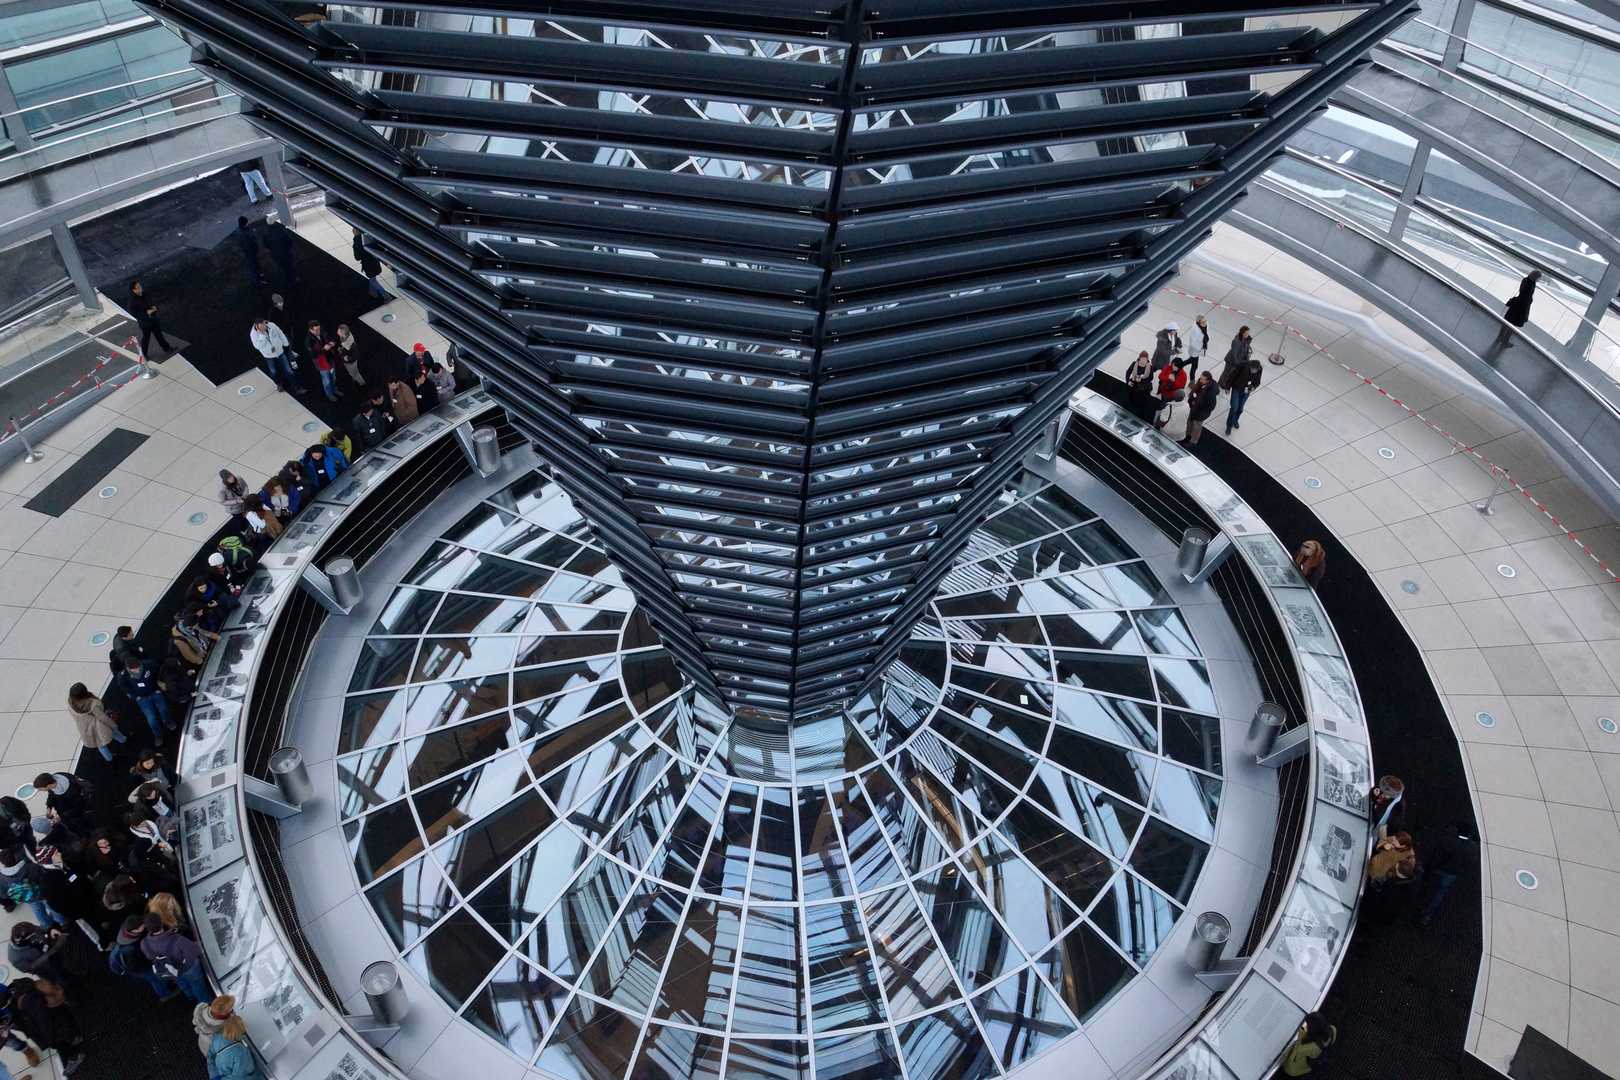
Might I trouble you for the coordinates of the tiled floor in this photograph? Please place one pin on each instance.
(105, 562)
(1538, 651)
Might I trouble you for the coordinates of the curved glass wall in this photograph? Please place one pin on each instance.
(597, 868)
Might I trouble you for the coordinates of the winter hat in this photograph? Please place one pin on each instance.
(275, 298)
(42, 825)
(216, 559)
(1171, 326)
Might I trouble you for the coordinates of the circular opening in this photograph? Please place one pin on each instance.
(1385, 452)
(1526, 879)
(285, 760)
(25, 791)
(197, 518)
(107, 492)
(1505, 570)
(1608, 725)
(1213, 927)
(1409, 586)
(1485, 719)
(1313, 482)
(99, 637)
(244, 390)
(387, 318)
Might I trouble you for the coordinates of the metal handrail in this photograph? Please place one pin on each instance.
(1427, 208)
(1472, 44)
(20, 110)
(223, 97)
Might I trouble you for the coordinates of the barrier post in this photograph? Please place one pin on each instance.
(32, 455)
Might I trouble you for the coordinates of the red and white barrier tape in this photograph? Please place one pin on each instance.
(13, 430)
(1496, 470)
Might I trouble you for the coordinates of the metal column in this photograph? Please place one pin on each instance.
(1409, 190)
(1601, 299)
(1459, 33)
(16, 130)
(270, 165)
(75, 267)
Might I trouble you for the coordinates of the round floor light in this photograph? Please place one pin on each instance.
(107, 492)
(311, 426)
(1485, 719)
(26, 791)
(1608, 725)
(1526, 879)
(388, 318)
(1386, 452)
(1312, 482)
(244, 390)
(1409, 587)
(1506, 571)
(100, 637)
(198, 518)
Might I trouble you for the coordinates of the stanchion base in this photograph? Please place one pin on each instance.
(33, 456)
(1486, 508)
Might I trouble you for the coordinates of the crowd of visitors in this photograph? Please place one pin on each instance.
(1166, 388)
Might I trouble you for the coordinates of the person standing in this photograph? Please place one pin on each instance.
(371, 266)
(98, 729)
(443, 381)
(278, 242)
(253, 180)
(348, 356)
(1311, 562)
(24, 882)
(1311, 1041)
(1449, 860)
(1167, 343)
(38, 951)
(324, 463)
(271, 342)
(126, 958)
(40, 1011)
(419, 360)
(369, 426)
(1237, 357)
(208, 1019)
(1518, 308)
(1243, 384)
(402, 402)
(1172, 381)
(232, 490)
(138, 681)
(427, 395)
(1200, 406)
(176, 957)
(1139, 387)
(144, 309)
(67, 797)
(1197, 346)
(319, 348)
(229, 1057)
(250, 251)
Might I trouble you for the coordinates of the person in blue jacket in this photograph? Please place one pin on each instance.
(324, 463)
(229, 1057)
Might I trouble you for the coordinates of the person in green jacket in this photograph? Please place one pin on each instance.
(1312, 1040)
(229, 1057)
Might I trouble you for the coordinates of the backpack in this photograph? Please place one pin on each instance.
(128, 960)
(23, 892)
(236, 553)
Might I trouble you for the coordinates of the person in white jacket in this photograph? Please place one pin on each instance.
(1197, 348)
(278, 358)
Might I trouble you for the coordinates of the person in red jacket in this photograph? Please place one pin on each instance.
(1172, 377)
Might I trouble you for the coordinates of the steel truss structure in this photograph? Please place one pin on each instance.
(785, 290)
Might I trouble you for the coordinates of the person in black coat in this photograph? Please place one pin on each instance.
(1518, 308)
(370, 266)
(144, 308)
(370, 427)
(53, 1028)
(1450, 858)
(427, 395)
(278, 241)
(250, 251)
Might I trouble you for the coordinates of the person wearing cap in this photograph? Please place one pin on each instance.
(420, 360)
(1167, 343)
